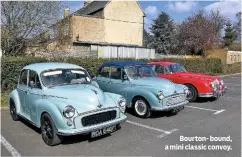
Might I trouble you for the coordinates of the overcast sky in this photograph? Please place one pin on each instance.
(178, 10)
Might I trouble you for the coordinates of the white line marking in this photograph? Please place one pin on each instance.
(220, 111)
(206, 109)
(164, 134)
(9, 147)
(149, 127)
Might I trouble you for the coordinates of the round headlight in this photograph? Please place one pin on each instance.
(160, 95)
(122, 104)
(212, 84)
(69, 111)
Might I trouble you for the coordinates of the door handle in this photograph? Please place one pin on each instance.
(26, 92)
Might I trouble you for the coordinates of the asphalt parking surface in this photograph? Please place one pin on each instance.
(143, 137)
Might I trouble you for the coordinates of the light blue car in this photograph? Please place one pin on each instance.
(62, 100)
(138, 84)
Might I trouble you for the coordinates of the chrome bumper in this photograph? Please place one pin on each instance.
(86, 130)
(166, 108)
(214, 94)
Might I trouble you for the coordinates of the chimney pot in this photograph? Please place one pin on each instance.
(66, 12)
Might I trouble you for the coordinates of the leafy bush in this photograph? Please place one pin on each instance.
(11, 66)
(232, 68)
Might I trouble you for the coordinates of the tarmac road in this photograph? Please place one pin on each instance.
(143, 137)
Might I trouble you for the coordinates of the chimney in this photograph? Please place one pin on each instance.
(86, 2)
(66, 12)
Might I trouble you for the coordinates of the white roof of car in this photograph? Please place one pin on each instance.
(39, 67)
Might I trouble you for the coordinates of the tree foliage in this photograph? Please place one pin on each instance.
(237, 27)
(200, 32)
(229, 35)
(162, 34)
(21, 21)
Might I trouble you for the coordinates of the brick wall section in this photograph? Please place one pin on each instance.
(88, 28)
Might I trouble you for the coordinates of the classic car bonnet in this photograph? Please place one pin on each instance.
(196, 76)
(82, 97)
(166, 86)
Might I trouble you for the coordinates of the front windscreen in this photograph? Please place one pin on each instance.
(174, 68)
(140, 71)
(60, 77)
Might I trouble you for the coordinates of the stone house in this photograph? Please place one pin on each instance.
(115, 23)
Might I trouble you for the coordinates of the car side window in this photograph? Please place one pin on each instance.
(104, 72)
(23, 77)
(115, 73)
(33, 76)
(161, 70)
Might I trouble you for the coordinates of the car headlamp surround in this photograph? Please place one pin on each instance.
(122, 104)
(160, 95)
(69, 111)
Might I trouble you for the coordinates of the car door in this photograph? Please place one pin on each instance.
(22, 88)
(33, 94)
(103, 78)
(117, 83)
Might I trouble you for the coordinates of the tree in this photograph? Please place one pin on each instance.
(200, 32)
(229, 35)
(162, 34)
(237, 27)
(23, 20)
(146, 39)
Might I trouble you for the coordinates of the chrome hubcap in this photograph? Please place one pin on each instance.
(190, 94)
(140, 107)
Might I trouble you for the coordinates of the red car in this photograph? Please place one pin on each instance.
(199, 85)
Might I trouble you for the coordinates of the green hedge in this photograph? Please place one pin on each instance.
(11, 66)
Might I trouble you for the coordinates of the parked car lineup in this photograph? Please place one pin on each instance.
(62, 100)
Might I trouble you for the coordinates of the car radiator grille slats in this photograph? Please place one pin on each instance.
(173, 100)
(98, 118)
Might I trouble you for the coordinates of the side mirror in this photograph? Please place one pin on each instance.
(31, 84)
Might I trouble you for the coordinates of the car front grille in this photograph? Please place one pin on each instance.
(98, 118)
(176, 99)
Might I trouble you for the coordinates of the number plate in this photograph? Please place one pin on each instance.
(104, 131)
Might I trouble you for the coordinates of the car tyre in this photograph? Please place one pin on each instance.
(49, 131)
(141, 108)
(193, 94)
(13, 111)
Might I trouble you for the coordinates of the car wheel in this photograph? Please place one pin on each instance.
(141, 108)
(48, 130)
(13, 111)
(192, 93)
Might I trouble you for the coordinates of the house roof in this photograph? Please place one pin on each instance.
(92, 7)
(96, 6)
(122, 64)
